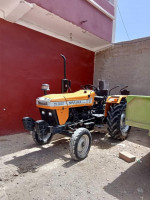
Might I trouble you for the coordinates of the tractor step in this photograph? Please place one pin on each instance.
(89, 124)
(98, 115)
(99, 126)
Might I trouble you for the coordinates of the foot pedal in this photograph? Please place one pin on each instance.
(98, 115)
(99, 119)
(99, 126)
(88, 125)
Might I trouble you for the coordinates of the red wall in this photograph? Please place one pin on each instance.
(76, 11)
(28, 59)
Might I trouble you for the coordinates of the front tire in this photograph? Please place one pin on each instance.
(80, 144)
(42, 140)
(116, 121)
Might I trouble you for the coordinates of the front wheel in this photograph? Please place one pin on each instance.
(116, 121)
(41, 140)
(80, 144)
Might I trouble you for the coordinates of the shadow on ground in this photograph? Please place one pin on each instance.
(139, 136)
(103, 140)
(134, 183)
(41, 156)
(15, 143)
(58, 149)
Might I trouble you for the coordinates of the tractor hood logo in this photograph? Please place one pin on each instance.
(74, 102)
(63, 103)
(42, 103)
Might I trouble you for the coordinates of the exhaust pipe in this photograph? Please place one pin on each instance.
(65, 83)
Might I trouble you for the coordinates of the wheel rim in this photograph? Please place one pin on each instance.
(83, 146)
(123, 127)
(45, 137)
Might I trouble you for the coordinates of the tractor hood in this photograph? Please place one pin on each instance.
(52, 101)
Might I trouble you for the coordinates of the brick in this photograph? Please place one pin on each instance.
(127, 156)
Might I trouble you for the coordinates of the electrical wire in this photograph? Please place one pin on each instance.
(123, 22)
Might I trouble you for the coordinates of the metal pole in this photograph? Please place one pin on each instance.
(64, 65)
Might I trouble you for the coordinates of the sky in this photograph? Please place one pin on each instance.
(136, 17)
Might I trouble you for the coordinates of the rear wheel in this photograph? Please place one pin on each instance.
(116, 121)
(43, 139)
(80, 144)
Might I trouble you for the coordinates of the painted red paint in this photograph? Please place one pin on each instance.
(76, 11)
(28, 59)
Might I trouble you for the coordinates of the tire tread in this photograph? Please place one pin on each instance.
(113, 121)
(74, 140)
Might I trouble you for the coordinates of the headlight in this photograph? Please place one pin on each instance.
(45, 87)
(50, 114)
(43, 112)
(113, 100)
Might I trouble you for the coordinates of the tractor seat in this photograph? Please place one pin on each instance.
(125, 92)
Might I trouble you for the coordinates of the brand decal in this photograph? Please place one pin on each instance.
(42, 103)
(59, 103)
(64, 103)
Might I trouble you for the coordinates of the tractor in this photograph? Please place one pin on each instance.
(76, 114)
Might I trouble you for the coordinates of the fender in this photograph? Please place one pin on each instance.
(115, 99)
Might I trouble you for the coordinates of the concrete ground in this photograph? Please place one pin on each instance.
(30, 172)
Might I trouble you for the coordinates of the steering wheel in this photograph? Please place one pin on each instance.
(89, 87)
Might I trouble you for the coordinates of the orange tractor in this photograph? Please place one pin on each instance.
(75, 114)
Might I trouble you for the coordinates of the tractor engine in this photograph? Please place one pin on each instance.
(80, 113)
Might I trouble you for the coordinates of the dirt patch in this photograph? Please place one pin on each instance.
(30, 172)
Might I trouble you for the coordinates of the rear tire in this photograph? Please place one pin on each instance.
(42, 141)
(80, 144)
(116, 121)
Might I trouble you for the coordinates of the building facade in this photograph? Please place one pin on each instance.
(33, 34)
